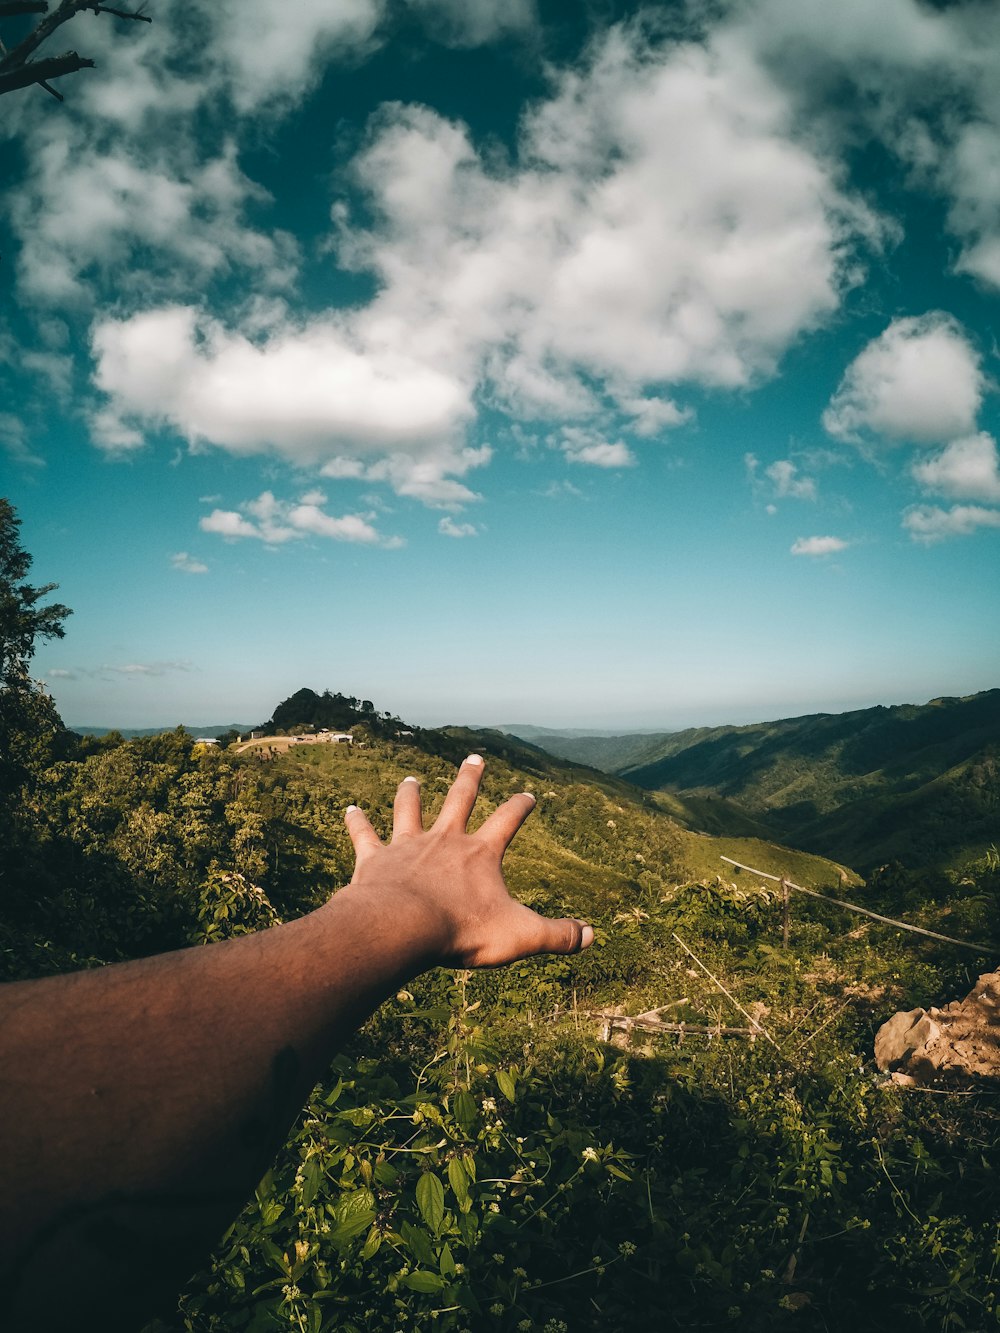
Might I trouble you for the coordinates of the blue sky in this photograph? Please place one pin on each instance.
(501, 360)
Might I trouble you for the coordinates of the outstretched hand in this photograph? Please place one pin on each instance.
(456, 877)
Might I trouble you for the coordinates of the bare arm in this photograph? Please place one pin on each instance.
(141, 1103)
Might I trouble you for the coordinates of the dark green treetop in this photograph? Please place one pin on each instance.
(22, 620)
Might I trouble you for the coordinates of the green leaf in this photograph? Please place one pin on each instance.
(385, 1173)
(617, 1171)
(275, 1256)
(351, 1227)
(372, 1244)
(468, 1228)
(312, 1177)
(418, 1243)
(430, 1200)
(459, 1182)
(447, 1263)
(506, 1084)
(465, 1109)
(271, 1211)
(421, 1281)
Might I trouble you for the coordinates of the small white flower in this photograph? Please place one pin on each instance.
(590, 1155)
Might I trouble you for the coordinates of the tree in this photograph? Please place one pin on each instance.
(18, 68)
(22, 620)
(28, 719)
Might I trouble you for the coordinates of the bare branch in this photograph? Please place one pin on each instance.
(67, 9)
(18, 57)
(40, 71)
(121, 13)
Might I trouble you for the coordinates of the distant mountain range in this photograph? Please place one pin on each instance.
(915, 783)
(215, 729)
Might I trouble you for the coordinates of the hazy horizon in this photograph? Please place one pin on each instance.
(720, 716)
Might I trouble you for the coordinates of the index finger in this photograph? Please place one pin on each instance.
(461, 795)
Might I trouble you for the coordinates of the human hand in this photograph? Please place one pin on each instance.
(457, 878)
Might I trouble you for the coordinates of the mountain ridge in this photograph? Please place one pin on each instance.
(908, 782)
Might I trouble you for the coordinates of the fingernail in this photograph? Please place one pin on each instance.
(411, 779)
(587, 937)
(530, 795)
(350, 810)
(476, 759)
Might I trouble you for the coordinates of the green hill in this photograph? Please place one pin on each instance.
(915, 783)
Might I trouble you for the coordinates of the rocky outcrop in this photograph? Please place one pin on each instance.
(957, 1046)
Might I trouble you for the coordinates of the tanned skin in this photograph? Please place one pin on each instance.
(141, 1103)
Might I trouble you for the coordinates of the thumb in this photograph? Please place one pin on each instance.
(563, 935)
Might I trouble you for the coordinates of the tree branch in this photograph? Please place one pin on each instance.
(40, 71)
(121, 13)
(17, 58)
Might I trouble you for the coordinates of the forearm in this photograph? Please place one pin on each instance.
(141, 1103)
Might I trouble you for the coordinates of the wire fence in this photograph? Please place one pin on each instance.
(987, 949)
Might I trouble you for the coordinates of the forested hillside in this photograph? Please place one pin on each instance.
(915, 783)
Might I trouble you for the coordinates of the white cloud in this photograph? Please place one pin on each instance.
(59, 673)
(449, 528)
(818, 546)
(924, 80)
(651, 416)
(583, 445)
(14, 442)
(967, 469)
(663, 224)
(788, 484)
(269, 51)
(308, 394)
(475, 22)
(88, 207)
(927, 523)
(275, 521)
(920, 381)
(187, 564)
(146, 668)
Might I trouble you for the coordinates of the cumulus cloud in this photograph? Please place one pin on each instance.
(662, 224)
(928, 523)
(967, 469)
(187, 564)
(449, 528)
(87, 206)
(920, 381)
(275, 521)
(923, 79)
(305, 393)
(818, 546)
